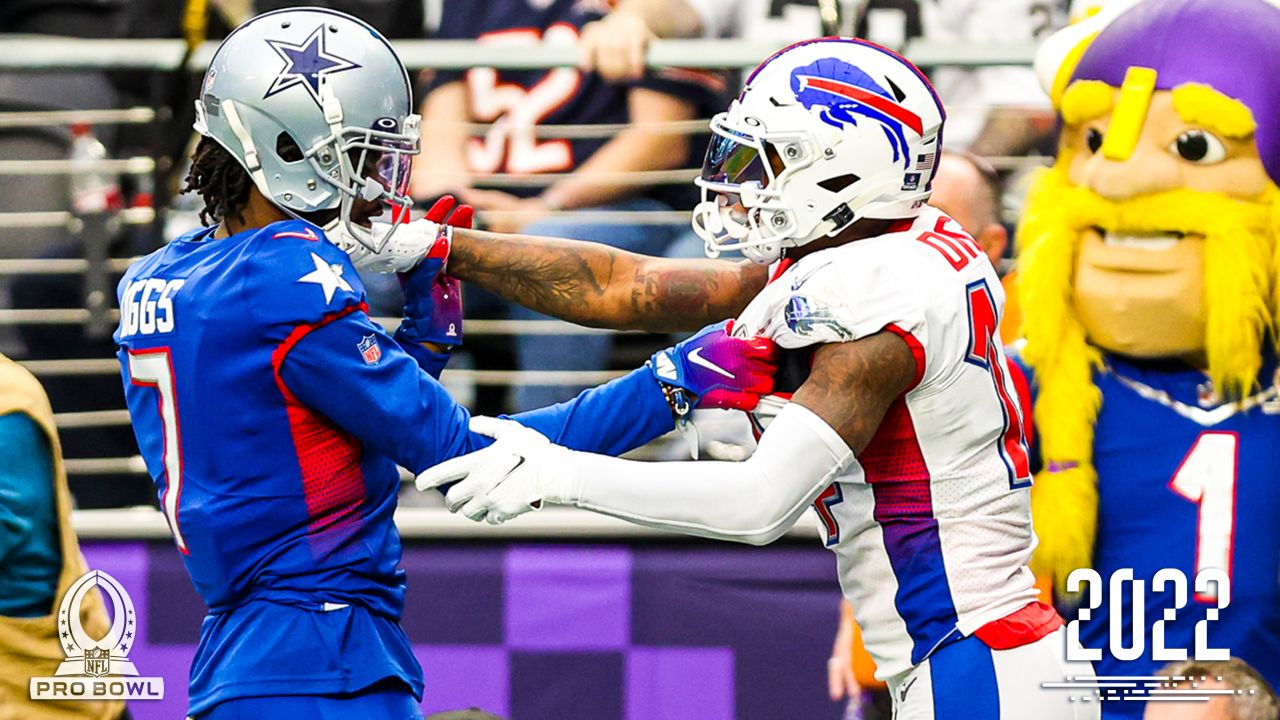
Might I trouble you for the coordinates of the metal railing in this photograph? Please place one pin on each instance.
(42, 118)
(42, 53)
(38, 54)
(424, 523)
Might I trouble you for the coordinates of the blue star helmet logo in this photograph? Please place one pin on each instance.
(305, 64)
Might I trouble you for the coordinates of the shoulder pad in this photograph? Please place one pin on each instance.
(138, 267)
(297, 275)
(841, 298)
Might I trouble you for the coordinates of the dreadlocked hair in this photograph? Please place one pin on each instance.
(219, 179)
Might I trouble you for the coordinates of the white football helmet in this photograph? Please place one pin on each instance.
(301, 98)
(826, 132)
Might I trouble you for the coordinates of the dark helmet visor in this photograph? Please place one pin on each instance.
(732, 162)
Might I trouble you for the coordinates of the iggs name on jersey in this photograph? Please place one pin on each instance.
(146, 307)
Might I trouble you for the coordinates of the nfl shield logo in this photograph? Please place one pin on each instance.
(97, 662)
(369, 349)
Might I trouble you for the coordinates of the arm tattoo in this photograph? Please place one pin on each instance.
(687, 299)
(556, 280)
(594, 284)
(853, 384)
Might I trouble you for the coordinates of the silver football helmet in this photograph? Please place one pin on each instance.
(316, 105)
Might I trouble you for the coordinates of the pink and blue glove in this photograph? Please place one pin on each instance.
(432, 299)
(712, 369)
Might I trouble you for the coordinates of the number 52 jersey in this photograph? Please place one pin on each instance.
(931, 526)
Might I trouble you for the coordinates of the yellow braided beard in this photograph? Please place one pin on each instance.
(1240, 257)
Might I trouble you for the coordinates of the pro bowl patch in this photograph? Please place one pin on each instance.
(809, 318)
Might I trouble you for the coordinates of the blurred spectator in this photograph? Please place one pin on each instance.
(998, 110)
(993, 111)
(615, 46)
(1255, 699)
(515, 102)
(39, 555)
(970, 190)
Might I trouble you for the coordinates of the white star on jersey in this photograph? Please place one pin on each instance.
(328, 277)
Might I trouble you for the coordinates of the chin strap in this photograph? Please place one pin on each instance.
(331, 106)
(252, 164)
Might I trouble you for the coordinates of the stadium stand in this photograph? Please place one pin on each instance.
(59, 261)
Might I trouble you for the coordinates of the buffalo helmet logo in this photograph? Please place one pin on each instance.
(846, 95)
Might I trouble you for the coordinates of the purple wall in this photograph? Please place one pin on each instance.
(532, 631)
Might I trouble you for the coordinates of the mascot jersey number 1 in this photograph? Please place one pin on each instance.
(1148, 287)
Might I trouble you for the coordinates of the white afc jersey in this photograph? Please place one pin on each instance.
(931, 525)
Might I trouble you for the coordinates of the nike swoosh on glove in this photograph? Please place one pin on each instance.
(432, 299)
(515, 475)
(713, 369)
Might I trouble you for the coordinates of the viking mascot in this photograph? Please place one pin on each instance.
(1148, 288)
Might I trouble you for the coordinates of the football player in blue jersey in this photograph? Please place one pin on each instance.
(272, 412)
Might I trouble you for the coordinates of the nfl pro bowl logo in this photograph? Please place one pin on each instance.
(97, 669)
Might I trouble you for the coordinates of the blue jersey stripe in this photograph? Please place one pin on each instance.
(900, 483)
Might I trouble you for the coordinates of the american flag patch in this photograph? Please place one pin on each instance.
(924, 163)
(369, 350)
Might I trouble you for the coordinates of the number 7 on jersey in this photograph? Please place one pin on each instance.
(154, 368)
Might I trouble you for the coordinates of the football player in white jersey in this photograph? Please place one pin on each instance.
(904, 431)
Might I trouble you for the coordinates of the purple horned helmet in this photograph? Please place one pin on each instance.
(1232, 46)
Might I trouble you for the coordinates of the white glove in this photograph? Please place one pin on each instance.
(515, 475)
(401, 253)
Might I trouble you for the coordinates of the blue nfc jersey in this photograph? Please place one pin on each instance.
(1186, 483)
(272, 413)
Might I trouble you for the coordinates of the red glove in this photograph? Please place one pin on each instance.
(713, 369)
(432, 299)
